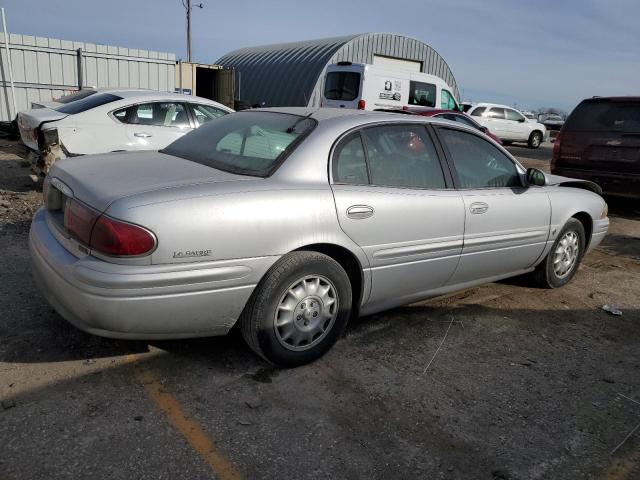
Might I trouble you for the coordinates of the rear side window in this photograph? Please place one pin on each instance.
(88, 103)
(158, 114)
(605, 116)
(402, 156)
(478, 112)
(423, 94)
(349, 164)
(342, 86)
(477, 162)
(496, 113)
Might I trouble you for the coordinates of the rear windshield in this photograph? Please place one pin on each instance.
(75, 96)
(342, 86)
(605, 116)
(248, 143)
(88, 103)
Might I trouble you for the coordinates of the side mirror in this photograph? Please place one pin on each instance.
(536, 177)
(522, 120)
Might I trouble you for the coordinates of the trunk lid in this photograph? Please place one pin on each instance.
(29, 123)
(99, 180)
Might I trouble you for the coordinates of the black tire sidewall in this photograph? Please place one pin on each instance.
(271, 292)
(552, 279)
(531, 137)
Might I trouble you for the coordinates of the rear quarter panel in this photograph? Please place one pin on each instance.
(91, 132)
(229, 224)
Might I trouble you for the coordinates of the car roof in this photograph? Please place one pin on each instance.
(498, 105)
(344, 118)
(130, 93)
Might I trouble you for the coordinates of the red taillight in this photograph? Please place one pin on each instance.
(104, 234)
(556, 150)
(79, 220)
(361, 104)
(113, 237)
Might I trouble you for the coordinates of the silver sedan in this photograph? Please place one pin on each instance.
(291, 221)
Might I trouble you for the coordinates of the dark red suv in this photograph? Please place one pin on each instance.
(600, 141)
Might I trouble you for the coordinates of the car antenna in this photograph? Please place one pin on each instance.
(292, 128)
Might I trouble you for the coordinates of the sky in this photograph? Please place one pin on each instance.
(530, 54)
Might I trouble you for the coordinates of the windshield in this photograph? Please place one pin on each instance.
(88, 103)
(248, 143)
(342, 86)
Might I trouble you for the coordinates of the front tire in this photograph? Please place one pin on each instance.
(562, 261)
(535, 139)
(298, 310)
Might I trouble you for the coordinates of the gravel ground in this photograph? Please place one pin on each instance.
(497, 382)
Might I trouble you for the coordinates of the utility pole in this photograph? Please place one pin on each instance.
(188, 7)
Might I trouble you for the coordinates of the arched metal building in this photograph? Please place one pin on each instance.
(291, 74)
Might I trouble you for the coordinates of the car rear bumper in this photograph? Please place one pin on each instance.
(612, 183)
(142, 302)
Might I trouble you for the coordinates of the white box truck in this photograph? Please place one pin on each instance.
(371, 87)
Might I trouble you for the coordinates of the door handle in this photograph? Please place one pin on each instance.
(478, 207)
(142, 135)
(359, 211)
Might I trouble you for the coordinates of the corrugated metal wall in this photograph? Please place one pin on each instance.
(291, 74)
(45, 68)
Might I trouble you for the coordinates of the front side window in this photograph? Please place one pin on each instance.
(477, 162)
(423, 94)
(204, 113)
(497, 113)
(513, 115)
(402, 156)
(447, 102)
(349, 164)
(477, 112)
(158, 114)
(248, 143)
(342, 86)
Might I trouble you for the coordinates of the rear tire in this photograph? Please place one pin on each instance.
(298, 310)
(563, 260)
(535, 139)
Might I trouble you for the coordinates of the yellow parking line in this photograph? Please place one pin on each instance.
(189, 429)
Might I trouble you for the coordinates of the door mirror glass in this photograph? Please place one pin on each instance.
(536, 177)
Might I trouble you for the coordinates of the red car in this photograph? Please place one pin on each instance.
(600, 141)
(454, 115)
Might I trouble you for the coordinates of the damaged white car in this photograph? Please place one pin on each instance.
(111, 121)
